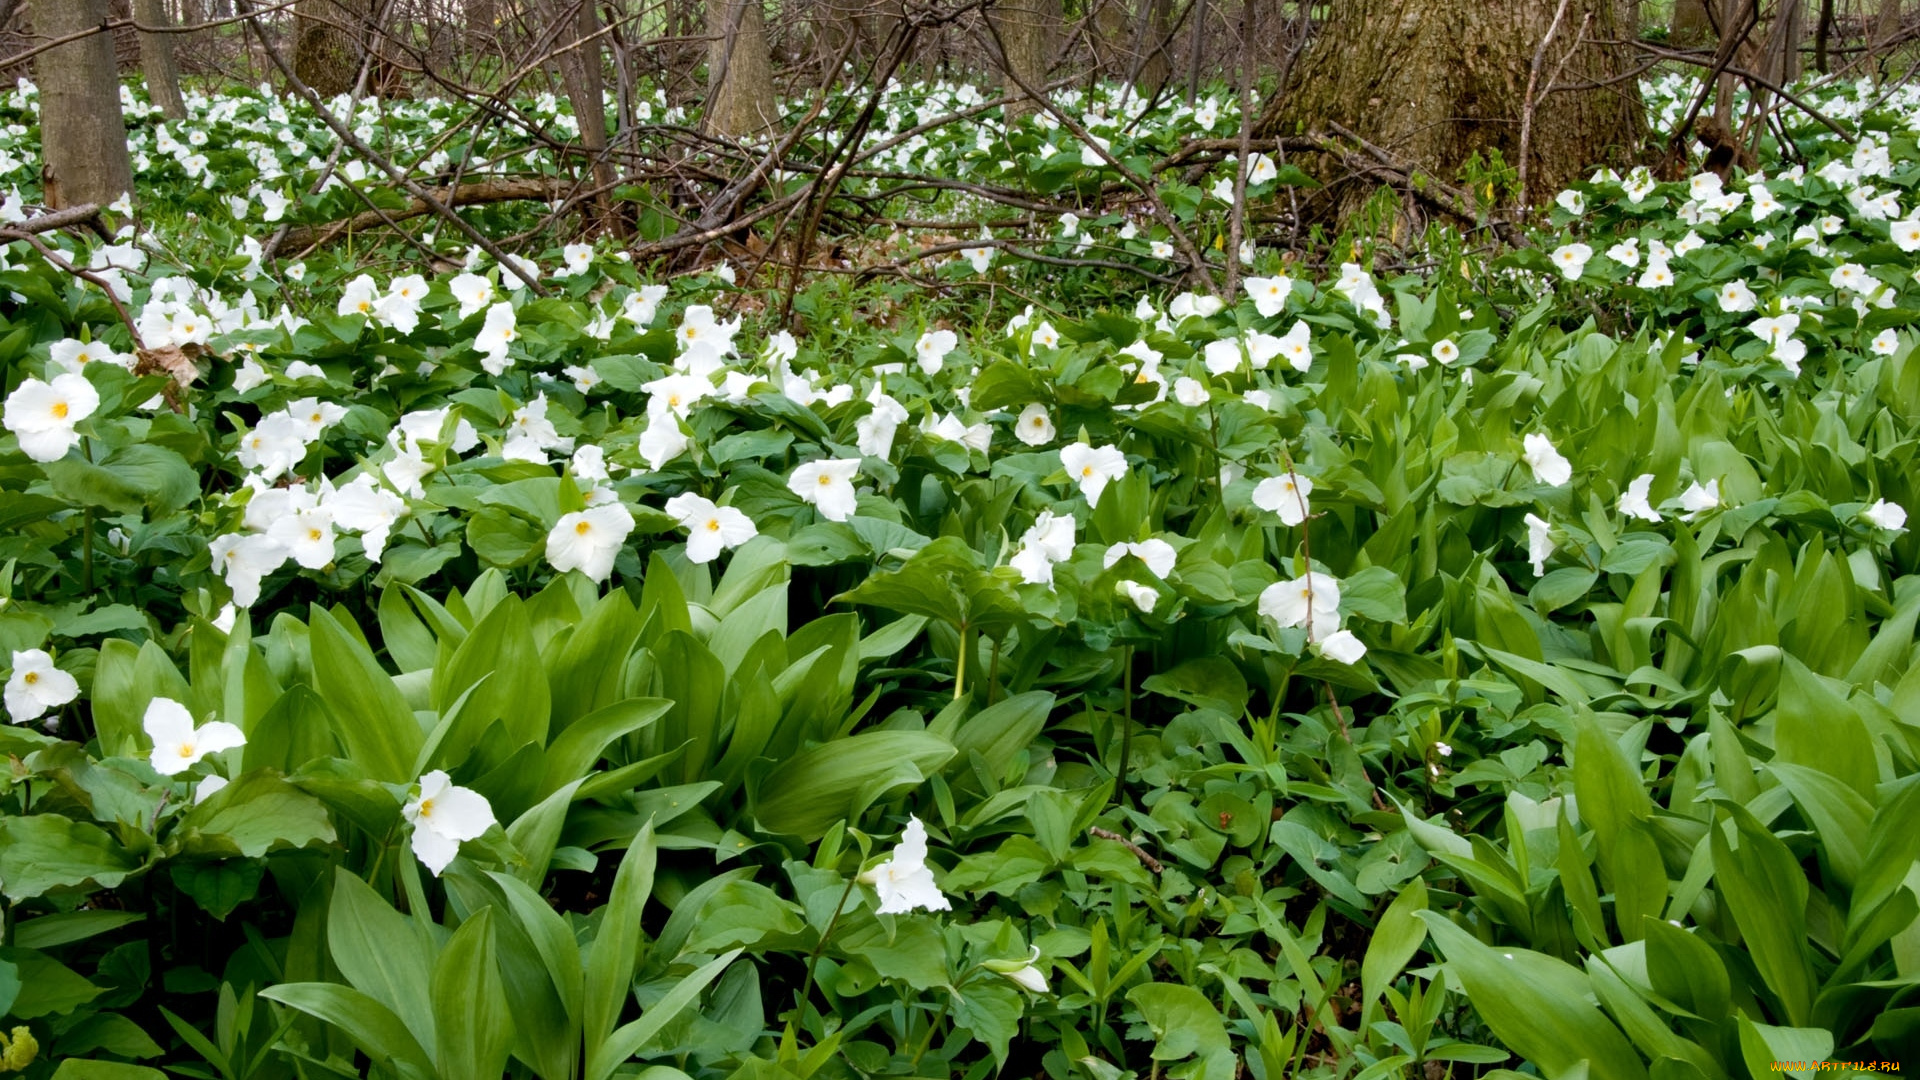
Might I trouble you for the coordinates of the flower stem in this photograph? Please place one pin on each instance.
(806, 986)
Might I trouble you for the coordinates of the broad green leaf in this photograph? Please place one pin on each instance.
(1185, 1024)
(43, 852)
(806, 794)
(472, 1025)
(1764, 890)
(370, 1024)
(370, 716)
(1395, 940)
(380, 954)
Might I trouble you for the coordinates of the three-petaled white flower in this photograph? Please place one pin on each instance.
(1882, 514)
(588, 540)
(711, 528)
(903, 882)
(932, 349)
(828, 486)
(37, 686)
(1034, 427)
(1634, 502)
(1093, 468)
(443, 815)
(42, 414)
(1539, 543)
(1311, 600)
(177, 744)
(1285, 495)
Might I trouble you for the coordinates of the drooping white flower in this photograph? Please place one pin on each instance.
(903, 882)
(1026, 976)
(1190, 392)
(1882, 514)
(1157, 554)
(589, 540)
(663, 440)
(1548, 466)
(444, 815)
(827, 485)
(1699, 498)
(177, 744)
(1047, 541)
(37, 686)
(1342, 647)
(1311, 600)
(1285, 495)
(1633, 501)
(873, 433)
(1540, 544)
(42, 415)
(711, 528)
(1093, 468)
(243, 559)
(1142, 596)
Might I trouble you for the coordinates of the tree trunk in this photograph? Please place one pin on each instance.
(1432, 83)
(1891, 19)
(1690, 24)
(156, 60)
(83, 141)
(1153, 66)
(329, 40)
(739, 69)
(580, 70)
(1024, 28)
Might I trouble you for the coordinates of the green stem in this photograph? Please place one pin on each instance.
(960, 669)
(932, 1027)
(993, 669)
(86, 550)
(806, 986)
(1126, 732)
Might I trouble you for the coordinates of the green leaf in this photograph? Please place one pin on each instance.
(1762, 886)
(1814, 725)
(378, 951)
(633, 1037)
(77, 1069)
(473, 1027)
(47, 986)
(128, 479)
(1538, 1006)
(609, 970)
(43, 852)
(1000, 731)
(371, 1025)
(1395, 941)
(370, 716)
(1838, 814)
(1686, 970)
(65, 928)
(1185, 1024)
(217, 886)
(806, 794)
(258, 813)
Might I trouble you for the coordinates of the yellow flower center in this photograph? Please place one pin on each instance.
(60, 410)
(313, 534)
(1086, 470)
(582, 528)
(365, 306)
(186, 750)
(30, 677)
(426, 808)
(713, 524)
(825, 479)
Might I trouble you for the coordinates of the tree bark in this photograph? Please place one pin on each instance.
(1024, 28)
(1432, 83)
(83, 140)
(739, 70)
(156, 60)
(580, 71)
(1152, 64)
(1690, 23)
(330, 37)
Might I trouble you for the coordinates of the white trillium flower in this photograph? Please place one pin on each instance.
(1033, 426)
(177, 744)
(1540, 544)
(42, 415)
(1572, 260)
(932, 349)
(1190, 392)
(903, 882)
(1882, 514)
(1311, 600)
(827, 485)
(444, 815)
(711, 528)
(1157, 554)
(1699, 498)
(1343, 647)
(1093, 468)
(1285, 495)
(589, 540)
(1548, 466)
(1633, 501)
(1269, 294)
(1143, 597)
(37, 686)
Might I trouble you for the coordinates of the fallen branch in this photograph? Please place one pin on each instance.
(489, 191)
(86, 214)
(1139, 852)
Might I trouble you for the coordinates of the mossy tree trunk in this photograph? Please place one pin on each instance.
(83, 140)
(1025, 30)
(330, 40)
(156, 60)
(581, 72)
(740, 97)
(1433, 83)
(1690, 23)
(1152, 58)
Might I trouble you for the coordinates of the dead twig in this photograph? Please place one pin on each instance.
(1139, 852)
